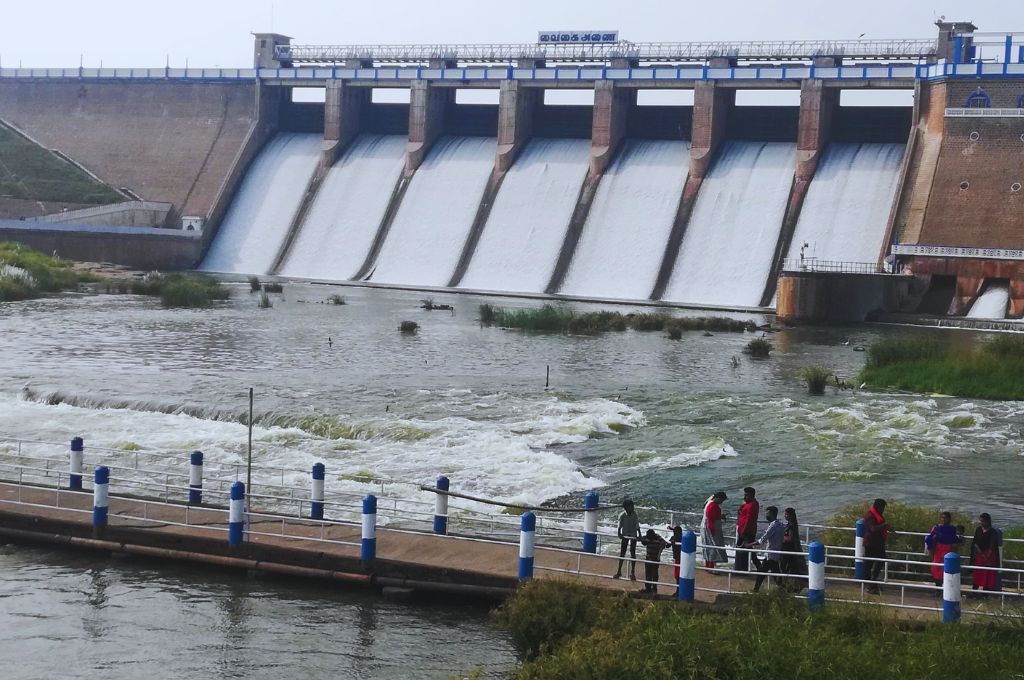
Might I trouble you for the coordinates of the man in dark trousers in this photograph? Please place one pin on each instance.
(746, 527)
(876, 529)
(629, 533)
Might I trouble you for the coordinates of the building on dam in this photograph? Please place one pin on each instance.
(558, 168)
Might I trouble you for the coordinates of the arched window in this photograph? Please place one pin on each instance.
(979, 100)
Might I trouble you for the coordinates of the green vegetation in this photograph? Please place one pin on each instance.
(265, 302)
(336, 299)
(181, 289)
(759, 347)
(911, 518)
(254, 285)
(993, 370)
(27, 274)
(551, 319)
(568, 631)
(408, 327)
(816, 376)
(30, 172)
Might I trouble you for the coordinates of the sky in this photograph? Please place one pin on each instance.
(216, 33)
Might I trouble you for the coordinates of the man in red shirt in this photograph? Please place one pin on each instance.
(746, 527)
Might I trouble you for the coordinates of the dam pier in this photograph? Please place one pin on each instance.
(605, 170)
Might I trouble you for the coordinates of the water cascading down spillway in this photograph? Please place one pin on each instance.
(265, 205)
(624, 238)
(847, 206)
(432, 225)
(524, 232)
(992, 303)
(342, 223)
(727, 252)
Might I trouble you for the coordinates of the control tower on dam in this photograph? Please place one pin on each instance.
(558, 168)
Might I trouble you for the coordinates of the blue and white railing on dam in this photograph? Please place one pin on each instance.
(481, 76)
(832, 574)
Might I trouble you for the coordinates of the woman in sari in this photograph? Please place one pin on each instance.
(985, 553)
(711, 532)
(793, 564)
(941, 540)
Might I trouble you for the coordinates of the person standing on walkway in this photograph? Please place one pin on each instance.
(711, 534)
(629, 533)
(655, 544)
(794, 565)
(746, 527)
(677, 545)
(941, 540)
(985, 549)
(771, 539)
(876, 530)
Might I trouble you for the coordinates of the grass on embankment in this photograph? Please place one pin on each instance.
(182, 290)
(30, 172)
(994, 370)
(27, 274)
(565, 630)
(551, 319)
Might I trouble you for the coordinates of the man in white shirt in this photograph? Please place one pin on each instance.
(771, 538)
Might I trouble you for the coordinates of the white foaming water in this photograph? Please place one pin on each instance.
(727, 252)
(265, 205)
(992, 303)
(847, 205)
(526, 227)
(508, 458)
(437, 211)
(624, 239)
(343, 220)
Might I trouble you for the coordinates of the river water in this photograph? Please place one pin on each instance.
(636, 414)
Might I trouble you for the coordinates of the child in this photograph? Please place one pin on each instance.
(655, 544)
(677, 544)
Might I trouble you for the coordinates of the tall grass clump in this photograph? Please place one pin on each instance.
(265, 301)
(575, 634)
(594, 323)
(817, 377)
(408, 327)
(336, 299)
(181, 290)
(545, 319)
(488, 314)
(759, 348)
(991, 370)
(649, 321)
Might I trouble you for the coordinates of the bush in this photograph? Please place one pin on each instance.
(181, 290)
(759, 347)
(675, 332)
(816, 376)
(254, 284)
(408, 327)
(544, 613)
(649, 321)
(25, 273)
(769, 635)
(265, 301)
(900, 516)
(336, 299)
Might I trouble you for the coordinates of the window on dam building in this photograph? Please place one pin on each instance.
(978, 100)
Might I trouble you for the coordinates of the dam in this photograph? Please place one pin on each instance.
(690, 174)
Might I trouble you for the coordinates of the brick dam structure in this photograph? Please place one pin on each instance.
(563, 169)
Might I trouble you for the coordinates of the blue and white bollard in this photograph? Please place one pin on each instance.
(441, 506)
(816, 575)
(236, 514)
(316, 492)
(859, 572)
(368, 547)
(195, 478)
(590, 503)
(687, 567)
(951, 588)
(100, 495)
(527, 540)
(77, 453)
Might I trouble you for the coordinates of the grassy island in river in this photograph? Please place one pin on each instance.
(994, 370)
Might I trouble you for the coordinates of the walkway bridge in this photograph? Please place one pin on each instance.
(150, 509)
